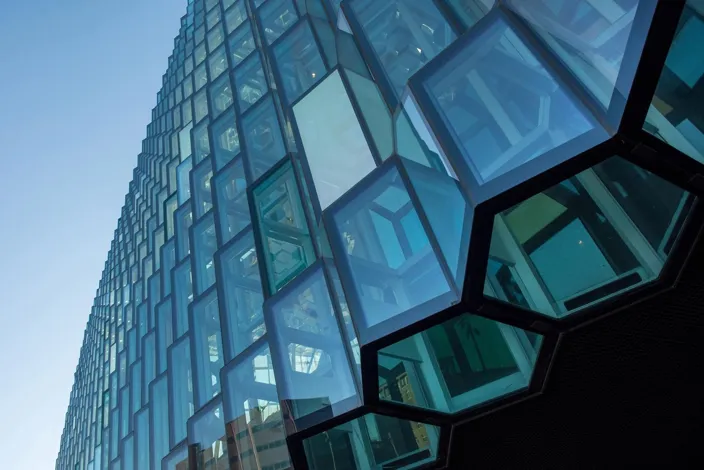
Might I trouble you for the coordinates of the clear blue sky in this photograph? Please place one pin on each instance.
(78, 80)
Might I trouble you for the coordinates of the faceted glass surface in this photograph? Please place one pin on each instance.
(181, 384)
(299, 62)
(231, 195)
(202, 195)
(277, 16)
(241, 44)
(250, 82)
(265, 145)
(205, 244)
(207, 347)
(206, 435)
(605, 231)
(226, 141)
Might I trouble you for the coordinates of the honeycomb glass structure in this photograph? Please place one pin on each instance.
(357, 224)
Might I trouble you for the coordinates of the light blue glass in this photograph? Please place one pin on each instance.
(160, 421)
(183, 173)
(201, 142)
(204, 245)
(142, 451)
(200, 106)
(142, 319)
(213, 16)
(250, 82)
(168, 260)
(200, 77)
(217, 64)
(471, 11)
(216, 36)
(206, 435)
(125, 412)
(226, 141)
(114, 433)
(375, 111)
(253, 414)
(404, 34)
(282, 227)
(164, 332)
(183, 219)
(131, 346)
(503, 107)
(176, 460)
(243, 294)
(276, 17)
(207, 349)
(148, 363)
(298, 61)
(241, 44)
(262, 135)
(183, 296)
(128, 453)
(220, 95)
(202, 195)
(231, 196)
(181, 386)
(235, 16)
(310, 353)
(154, 297)
(393, 271)
(605, 231)
(374, 441)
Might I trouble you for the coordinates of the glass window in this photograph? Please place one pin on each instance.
(232, 205)
(250, 82)
(201, 142)
(176, 460)
(241, 44)
(226, 141)
(148, 363)
(125, 412)
(200, 106)
(298, 61)
(128, 453)
(164, 331)
(168, 256)
(184, 139)
(282, 227)
(181, 384)
(374, 111)
(216, 37)
(160, 421)
(235, 16)
(183, 219)
(207, 436)
(217, 63)
(277, 16)
(337, 160)
(201, 78)
(203, 197)
(471, 11)
(205, 244)
(262, 134)
(183, 296)
(142, 454)
(254, 426)
(207, 347)
(221, 95)
(607, 230)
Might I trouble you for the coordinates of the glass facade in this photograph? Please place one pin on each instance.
(357, 223)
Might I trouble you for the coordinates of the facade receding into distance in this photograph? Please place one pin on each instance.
(357, 224)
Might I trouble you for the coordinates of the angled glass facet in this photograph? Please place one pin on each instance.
(262, 135)
(243, 293)
(298, 61)
(206, 436)
(373, 441)
(277, 16)
(282, 227)
(255, 428)
(503, 107)
(226, 141)
(336, 149)
(235, 16)
(164, 332)
(231, 195)
(160, 420)
(675, 114)
(181, 384)
(250, 82)
(202, 195)
(241, 43)
(182, 297)
(459, 364)
(176, 460)
(207, 347)
(310, 354)
(605, 231)
(471, 11)
(204, 246)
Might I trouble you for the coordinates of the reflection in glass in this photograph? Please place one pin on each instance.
(226, 141)
(207, 340)
(265, 145)
(207, 436)
(277, 16)
(298, 61)
(241, 44)
(233, 208)
(250, 82)
(204, 245)
(181, 384)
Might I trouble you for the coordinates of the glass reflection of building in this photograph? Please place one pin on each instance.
(356, 223)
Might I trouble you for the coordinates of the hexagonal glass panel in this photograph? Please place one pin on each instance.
(390, 271)
(250, 82)
(277, 16)
(226, 140)
(253, 414)
(282, 227)
(594, 236)
(206, 436)
(461, 363)
(373, 441)
(675, 115)
(262, 135)
(504, 108)
(309, 353)
(207, 347)
(298, 61)
(243, 293)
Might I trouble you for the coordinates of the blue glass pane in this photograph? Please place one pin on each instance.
(142, 453)
(250, 82)
(168, 260)
(235, 16)
(183, 173)
(160, 421)
(502, 106)
(310, 353)
(164, 331)
(207, 436)
(471, 11)
(298, 61)
(226, 141)
(207, 347)
(148, 363)
(243, 294)
(125, 412)
(204, 246)
(128, 453)
(215, 37)
(241, 44)
(176, 460)
(183, 219)
(276, 17)
(265, 145)
(181, 388)
(200, 106)
(202, 195)
(220, 96)
(233, 208)
(217, 64)
(253, 414)
(183, 295)
(201, 142)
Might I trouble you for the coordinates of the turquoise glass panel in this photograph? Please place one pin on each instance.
(276, 17)
(204, 246)
(470, 11)
(241, 44)
(200, 106)
(176, 460)
(128, 453)
(207, 347)
(310, 352)
(255, 427)
(226, 141)
(375, 112)
(282, 227)
(235, 16)
(231, 196)
(202, 195)
(503, 107)
(160, 421)
(125, 412)
(142, 451)
(217, 64)
(168, 260)
(215, 37)
(148, 363)
(183, 173)
(183, 296)
(373, 441)
(183, 219)
(220, 96)
(298, 61)
(262, 135)
(207, 436)
(164, 332)
(605, 231)
(243, 293)
(180, 377)
(250, 82)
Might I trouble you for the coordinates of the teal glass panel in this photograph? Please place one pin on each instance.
(404, 35)
(204, 246)
(276, 17)
(504, 108)
(128, 453)
(142, 319)
(471, 11)
(131, 346)
(201, 142)
(220, 95)
(213, 16)
(255, 427)
(148, 363)
(200, 106)
(226, 141)
(216, 36)
(605, 231)
(298, 61)
(241, 44)
(181, 383)
(675, 114)
(217, 64)
(373, 441)
(183, 174)
(142, 448)
(160, 421)
(375, 112)
(281, 223)
(164, 332)
(262, 135)
(310, 352)
(114, 433)
(230, 193)
(459, 364)
(243, 294)
(591, 39)
(393, 272)
(176, 460)
(207, 347)
(125, 412)
(183, 296)
(183, 219)
(202, 195)
(250, 82)
(235, 16)
(168, 260)
(207, 437)
(337, 160)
